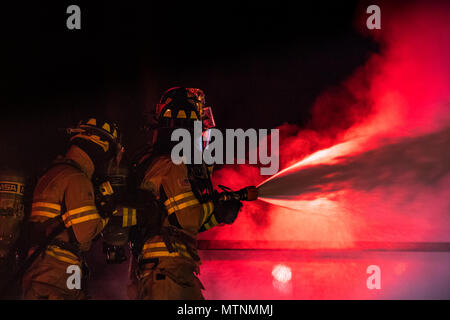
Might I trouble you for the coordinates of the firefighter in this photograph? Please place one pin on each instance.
(65, 197)
(12, 214)
(167, 257)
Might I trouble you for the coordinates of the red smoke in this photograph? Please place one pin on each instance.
(402, 93)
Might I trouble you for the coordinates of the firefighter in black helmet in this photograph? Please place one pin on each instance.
(66, 197)
(168, 260)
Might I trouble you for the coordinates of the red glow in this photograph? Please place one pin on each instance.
(397, 99)
(404, 92)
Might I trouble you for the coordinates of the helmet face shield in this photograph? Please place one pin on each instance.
(208, 118)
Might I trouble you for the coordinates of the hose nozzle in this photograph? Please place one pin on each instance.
(249, 193)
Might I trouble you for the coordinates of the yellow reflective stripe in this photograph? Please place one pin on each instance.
(62, 255)
(133, 217)
(178, 197)
(208, 208)
(62, 251)
(147, 251)
(64, 259)
(180, 246)
(104, 222)
(214, 221)
(45, 209)
(128, 217)
(83, 219)
(160, 254)
(182, 206)
(95, 139)
(44, 214)
(46, 205)
(211, 223)
(154, 245)
(162, 245)
(79, 210)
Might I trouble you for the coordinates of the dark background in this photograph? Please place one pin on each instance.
(260, 65)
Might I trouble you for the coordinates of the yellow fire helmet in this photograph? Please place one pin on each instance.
(106, 134)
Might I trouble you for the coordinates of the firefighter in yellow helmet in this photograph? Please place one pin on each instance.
(167, 256)
(65, 198)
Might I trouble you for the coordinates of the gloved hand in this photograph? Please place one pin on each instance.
(227, 211)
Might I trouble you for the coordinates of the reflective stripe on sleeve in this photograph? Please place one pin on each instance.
(45, 209)
(62, 255)
(208, 209)
(181, 201)
(179, 197)
(211, 223)
(80, 215)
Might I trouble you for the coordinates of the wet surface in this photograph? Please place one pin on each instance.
(277, 274)
(297, 274)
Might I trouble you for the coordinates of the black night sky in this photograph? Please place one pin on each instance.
(260, 65)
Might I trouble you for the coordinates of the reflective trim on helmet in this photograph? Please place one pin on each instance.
(107, 127)
(181, 114)
(95, 139)
(194, 115)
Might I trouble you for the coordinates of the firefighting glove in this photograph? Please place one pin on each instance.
(105, 200)
(227, 211)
